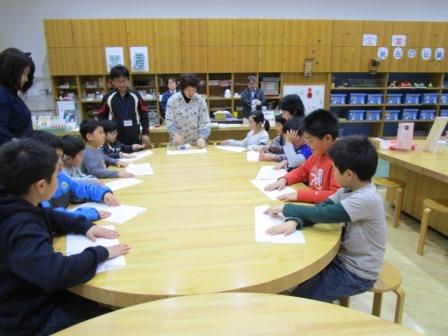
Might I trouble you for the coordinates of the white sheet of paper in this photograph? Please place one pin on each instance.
(78, 243)
(122, 183)
(119, 214)
(261, 184)
(140, 169)
(264, 222)
(138, 156)
(253, 156)
(186, 151)
(269, 173)
(231, 148)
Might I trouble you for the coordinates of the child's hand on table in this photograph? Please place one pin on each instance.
(285, 228)
(110, 199)
(273, 211)
(282, 165)
(117, 250)
(137, 147)
(99, 232)
(279, 185)
(288, 197)
(121, 164)
(124, 174)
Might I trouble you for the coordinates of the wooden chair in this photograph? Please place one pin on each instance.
(429, 206)
(393, 183)
(389, 280)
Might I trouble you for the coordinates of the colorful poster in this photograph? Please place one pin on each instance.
(426, 54)
(139, 59)
(412, 53)
(114, 56)
(399, 40)
(369, 40)
(383, 53)
(313, 96)
(439, 54)
(398, 53)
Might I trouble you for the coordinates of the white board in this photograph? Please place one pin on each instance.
(313, 96)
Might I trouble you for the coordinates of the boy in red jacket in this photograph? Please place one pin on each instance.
(320, 131)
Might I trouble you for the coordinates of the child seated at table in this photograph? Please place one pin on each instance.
(70, 191)
(359, 208)
(257, 136)
(112, 147)
(320, 131)
(33, 277)
(295, 148)
(274, 151)
(95, 162)
(73, 148)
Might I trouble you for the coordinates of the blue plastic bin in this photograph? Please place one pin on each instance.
(444, 98)
(412, 98)
(444, 113)
(427, 114)
(373, 115)
(374, 98)
(338, 99)
(430, 98)
(391, 115)
(355, 115)
(357, 98)
(394, 98)
(409, 114)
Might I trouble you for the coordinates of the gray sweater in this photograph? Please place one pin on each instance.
(95, 162)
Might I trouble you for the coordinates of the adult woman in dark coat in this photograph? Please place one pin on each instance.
(16, 74)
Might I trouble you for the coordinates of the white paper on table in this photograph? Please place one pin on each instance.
(119, 214)
(274, 194)
(253, 156)
(78, 243)
(232, 148)
(122, 183)
(138, 155)
(140, 169)
(269, 173)
(186, 151)
(264, 222)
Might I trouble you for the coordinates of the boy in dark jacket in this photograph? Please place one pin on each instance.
(32, 275)
(112, 147)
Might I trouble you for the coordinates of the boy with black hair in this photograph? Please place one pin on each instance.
(320, 131)
(33, 277)
(73, 148)
(69, 191)
(359, 208)
(95, 162)
(127, 108)
(292, 106)
(295, 148)
(112, 147)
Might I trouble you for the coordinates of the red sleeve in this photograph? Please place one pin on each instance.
(103, 111)
(300, 174)
(309, 195)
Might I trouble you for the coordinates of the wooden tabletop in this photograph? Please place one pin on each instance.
(237, 314)
(197, 235)
(434, 165)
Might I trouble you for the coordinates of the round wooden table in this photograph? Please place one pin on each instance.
(237, 314)
(197, 235)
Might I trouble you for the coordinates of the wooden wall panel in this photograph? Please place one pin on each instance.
(405, 64)
(270, 59)
(245, 59)
(347, 33)
(193, 32)
(113, 33)
(296, 33)
(322, 58)
(346, 59)
(271, 32)
(245, 32)
(86, 33)
(320, 33)
(294, 59)
(90, 61)
(219, 32)
(140, 32)
(194, 59)
(167, 32)
(58, 33)
(167, 59)
(61, 61)
(219, 59)
(383, 29)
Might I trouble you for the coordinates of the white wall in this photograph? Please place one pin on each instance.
(21, 20)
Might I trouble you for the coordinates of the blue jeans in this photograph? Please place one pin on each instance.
(332, 283)
(70, 310)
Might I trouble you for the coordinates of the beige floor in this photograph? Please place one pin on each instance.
(425, 278)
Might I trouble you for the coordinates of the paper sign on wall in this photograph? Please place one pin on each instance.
(439, 54)
(426, 54)
(399, 40)
(114, 56)
(383, 53)
(398, 53)
(312, 96)
(139, 59)
(369, 40)
(412, 53)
